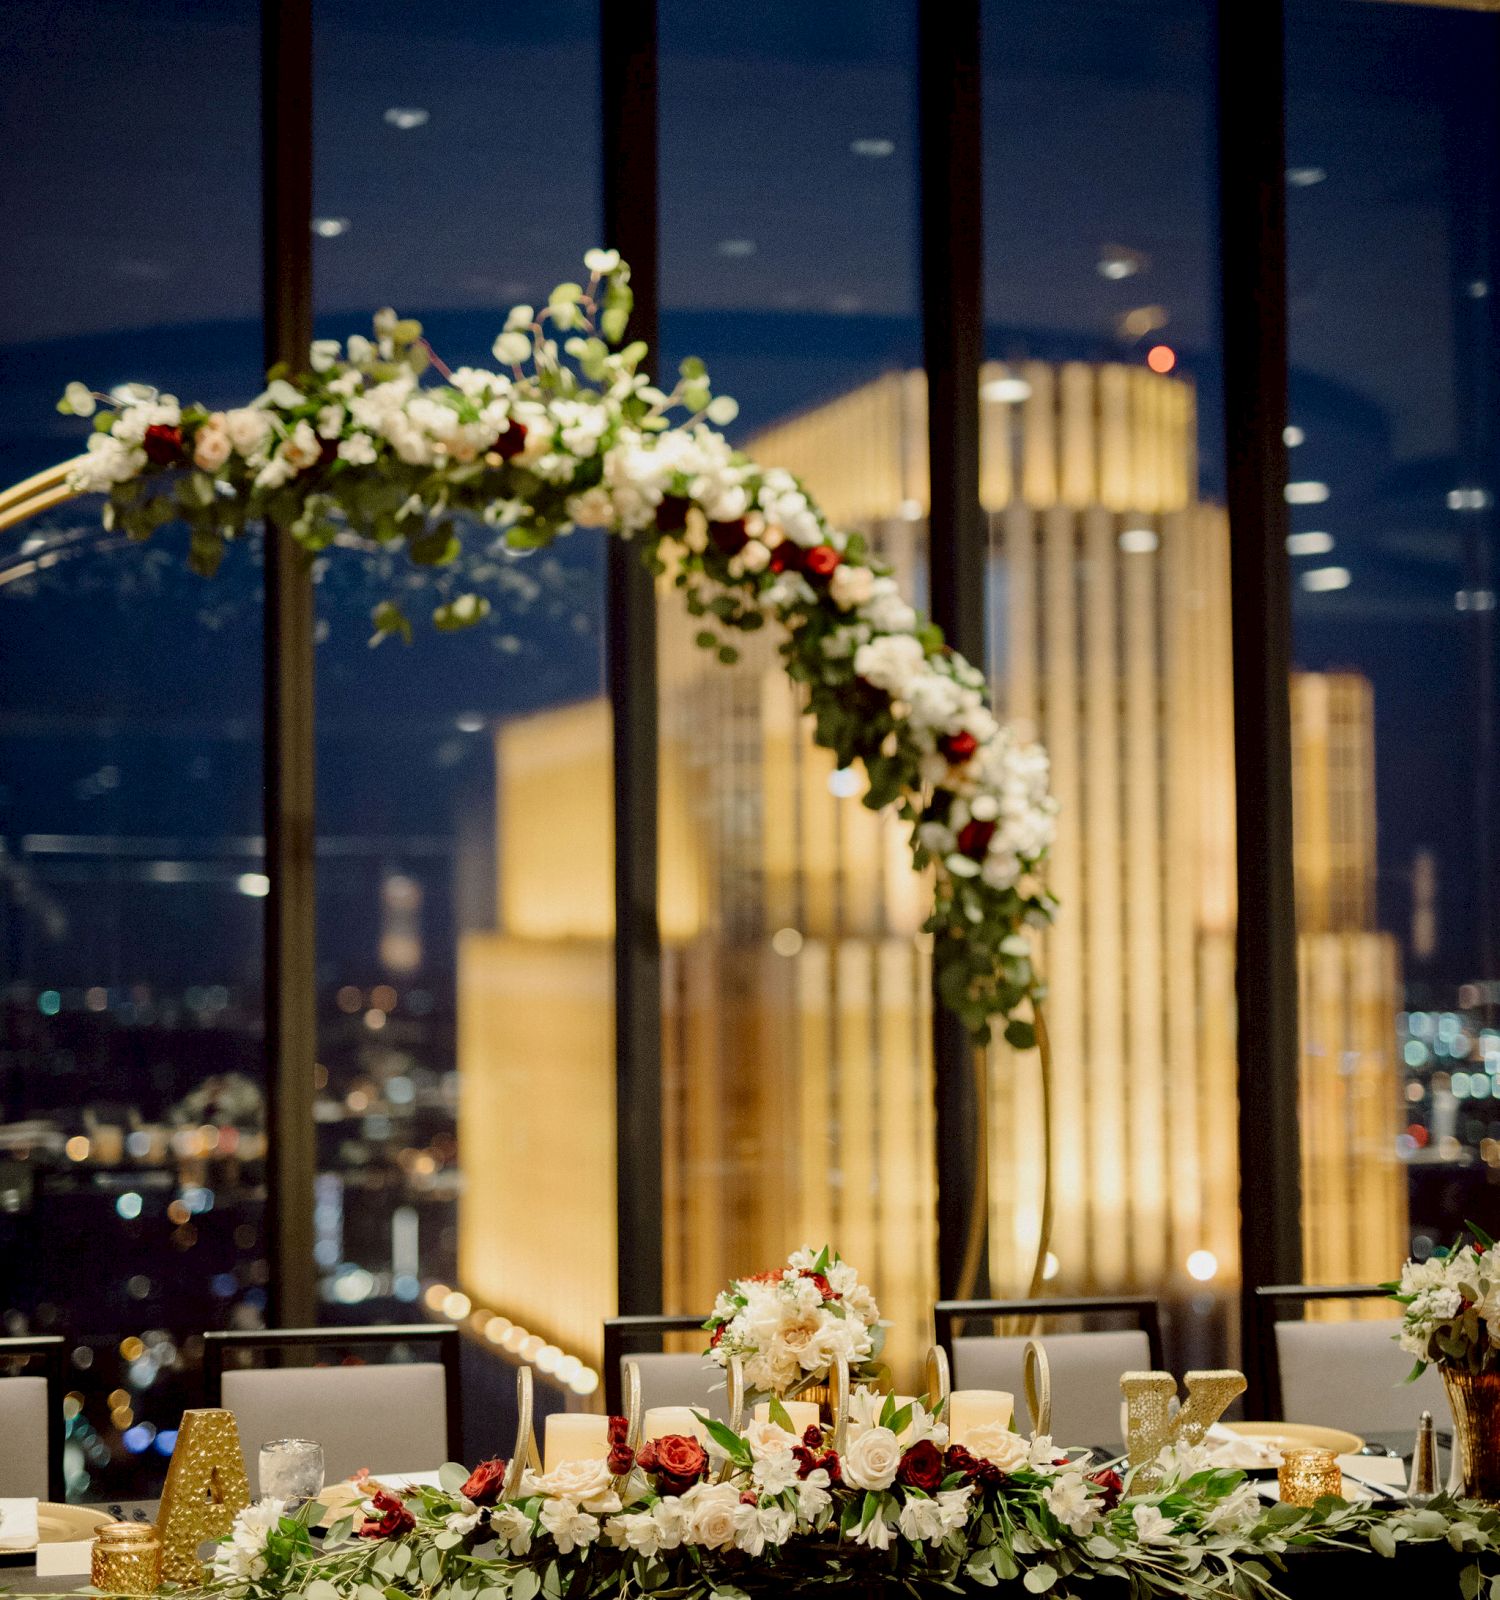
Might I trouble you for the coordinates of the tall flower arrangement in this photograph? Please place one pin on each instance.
(791, 1323)
(1450, 1307)
(362, 447)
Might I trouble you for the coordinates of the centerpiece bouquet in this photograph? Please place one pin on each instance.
(789, 1325)
(1450, 1319)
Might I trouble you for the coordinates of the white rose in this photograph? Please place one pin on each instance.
(765, 1439)
(992, 1441)
(303, 449)
(711, 1515)
(211, 447)
(248, 429)
(587, 1482)
(871, 1461)
(851, 586)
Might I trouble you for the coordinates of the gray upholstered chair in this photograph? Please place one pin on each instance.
(668, 1378)
(1085, 1367)
(1344, 1374)
(31, 1417)
(392, 1416)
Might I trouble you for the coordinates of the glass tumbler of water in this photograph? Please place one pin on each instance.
(291, 1470)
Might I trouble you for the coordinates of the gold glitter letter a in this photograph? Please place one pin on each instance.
(206, 1489)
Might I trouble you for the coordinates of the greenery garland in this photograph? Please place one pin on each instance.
(359, 450)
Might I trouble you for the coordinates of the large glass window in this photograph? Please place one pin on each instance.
(1393, 195)
(132, 1125)
(464, 881)
(796, 1013)
(1109, 637)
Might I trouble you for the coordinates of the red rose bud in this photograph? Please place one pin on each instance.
(718, 1335)
(484, 1483)
(922, 1467)
(394, 1519)
(512, 442)
(821, 560)
(812, 1436)
(809, 1460)
(748, 1497)
(785, 555)
(958, 746)
(974, 838)
(974, 1469)
(671, 514)
(824, 1287)
(163, 445)
(730, 537)
(617, 1430)
(328, 450)
(620, 1460)
(1112, 1484)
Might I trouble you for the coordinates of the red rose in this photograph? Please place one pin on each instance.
(821, 560)
(617, 1430)
(483, 1484)
(163, 445)
(974, 837)
(748, 1497)
(730, 537)
(675, 1461)
(974, 1469)
(512, 442)
(620, 1460)
(671, 513)
(1112, 1484)
(958, 746)
(812, 1436)
(922, 1467)
(395, 1519)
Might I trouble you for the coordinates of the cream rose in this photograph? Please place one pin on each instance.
(992, 1441)
(212, 445)
(766, 1438)
(712, 1515)
(871, 1461)
(248, 429)
(586, 1482)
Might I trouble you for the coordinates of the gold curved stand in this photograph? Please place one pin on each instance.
(39, 493)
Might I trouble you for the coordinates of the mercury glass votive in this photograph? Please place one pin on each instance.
(126, 1559)
(1306, 1475)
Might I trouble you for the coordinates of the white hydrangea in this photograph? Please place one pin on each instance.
(892, 662)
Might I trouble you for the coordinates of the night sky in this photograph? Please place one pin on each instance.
(130, 166)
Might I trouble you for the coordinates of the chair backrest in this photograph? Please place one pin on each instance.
(31, 1419)
(1085, 1370)
(667, 1378)
(395, 1416)
(1349, 1375)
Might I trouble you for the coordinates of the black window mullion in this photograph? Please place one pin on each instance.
(628, 59)
(952, 344)
(1252, 252)
(290, 931)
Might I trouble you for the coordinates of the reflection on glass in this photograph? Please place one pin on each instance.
(1393, 187)
(132, 1128)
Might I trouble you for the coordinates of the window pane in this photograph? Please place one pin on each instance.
(464, 880)
(796, 1011)
(1109, 635)
(131, 860)
(1393, 183)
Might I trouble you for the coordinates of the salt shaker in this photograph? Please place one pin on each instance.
(1423, 1485)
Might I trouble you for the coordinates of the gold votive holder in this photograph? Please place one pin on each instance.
(1306, 1475)
(126, 1559)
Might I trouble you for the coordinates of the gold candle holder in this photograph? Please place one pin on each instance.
(1306, 1475)
(126, 1559)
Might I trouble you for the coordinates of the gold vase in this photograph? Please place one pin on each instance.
(1475, 1399)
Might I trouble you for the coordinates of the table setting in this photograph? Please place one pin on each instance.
(819, 1475)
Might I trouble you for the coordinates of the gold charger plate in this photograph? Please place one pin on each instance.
(1298, 1435)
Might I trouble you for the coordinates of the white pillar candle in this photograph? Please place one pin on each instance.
(974, 1408)
(660, 1421)
(574, 1436)
(804, 1414)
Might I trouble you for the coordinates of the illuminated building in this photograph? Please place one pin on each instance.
(797, 1072)
(1354, 1197)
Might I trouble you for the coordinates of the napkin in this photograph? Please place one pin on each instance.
(18, 1525)
(1230, 1449)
